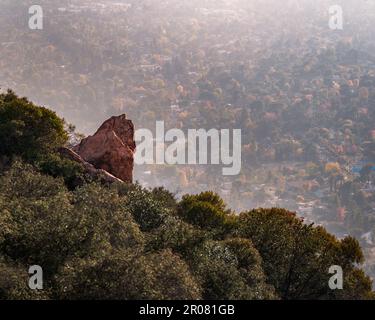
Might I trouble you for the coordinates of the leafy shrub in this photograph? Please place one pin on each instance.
(42, 223)
(177, 235)
(146, 209)
(26, 130)
(216, 264)
(72, 172)
(297, 257)
(208, 212)
(128, 275)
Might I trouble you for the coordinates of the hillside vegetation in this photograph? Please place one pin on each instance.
(121, 241)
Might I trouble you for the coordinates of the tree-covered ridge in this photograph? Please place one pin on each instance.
(121, 241)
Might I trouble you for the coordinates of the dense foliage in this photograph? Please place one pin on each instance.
(121, 241)
(90, 246)
(34, 134)
(26, 130)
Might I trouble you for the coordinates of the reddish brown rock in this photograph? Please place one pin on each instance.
(111, 148)
(97, 174)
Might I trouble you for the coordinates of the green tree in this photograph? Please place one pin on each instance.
(230, 270)
(148, 211)
(176, 235)
(27, 130)
(297, 257)
(128, 275)
(205, 210)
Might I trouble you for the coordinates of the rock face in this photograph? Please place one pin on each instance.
(111, 148)
(98, 174)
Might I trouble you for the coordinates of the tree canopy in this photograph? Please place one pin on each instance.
(122, 241)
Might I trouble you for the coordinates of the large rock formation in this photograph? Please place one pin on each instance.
(111, 148)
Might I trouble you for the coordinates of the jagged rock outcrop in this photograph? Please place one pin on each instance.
(111, 148)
